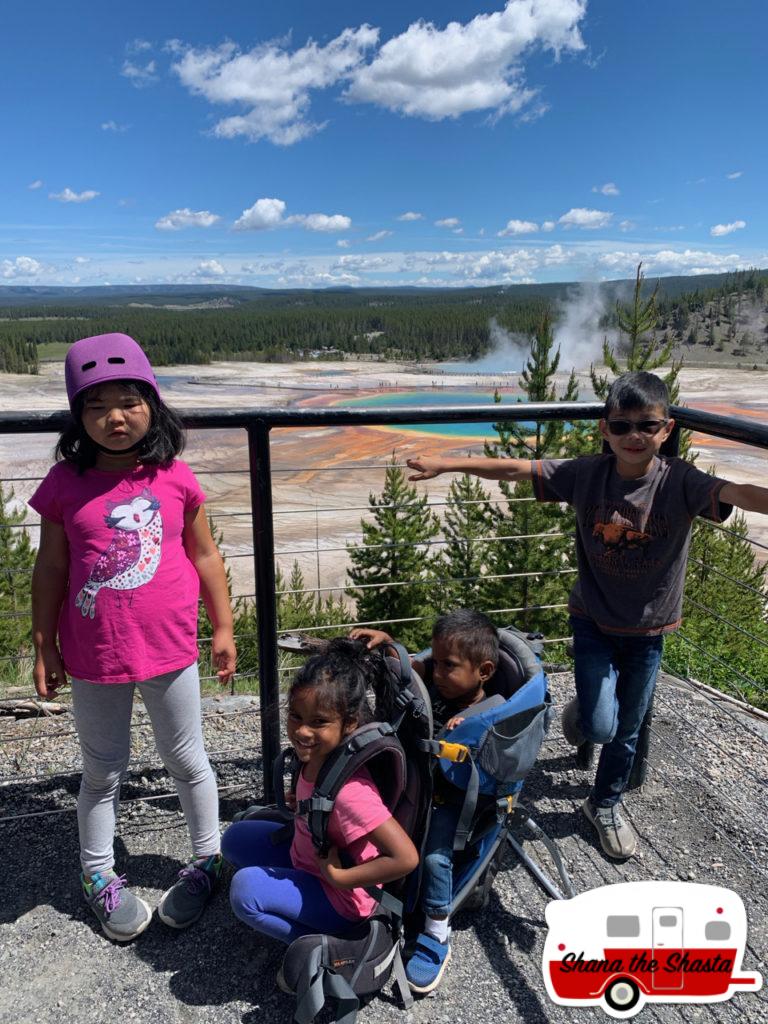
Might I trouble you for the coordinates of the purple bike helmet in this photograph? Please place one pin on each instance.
(105, 357)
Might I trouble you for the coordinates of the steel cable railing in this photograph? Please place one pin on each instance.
(258, 426)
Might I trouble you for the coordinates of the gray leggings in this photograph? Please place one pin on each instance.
(103, 719)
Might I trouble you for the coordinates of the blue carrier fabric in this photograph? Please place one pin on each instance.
(492, 750)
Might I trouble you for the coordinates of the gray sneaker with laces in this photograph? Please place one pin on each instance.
(186, 900)
(122, 914)
(616, 836)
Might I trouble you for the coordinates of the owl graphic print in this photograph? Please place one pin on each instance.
(133, 555)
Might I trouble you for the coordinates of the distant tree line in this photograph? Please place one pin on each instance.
(386, 326)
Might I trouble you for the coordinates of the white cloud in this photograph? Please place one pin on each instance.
(377, 237)
(321, 221)
(186, 218)
(270, 213)
(22, 266)
(358, 264)
(113, 126)
(140, 77)
(264, 214)
(411, 215)
(518, 227)
(437, 73)
(671, 261)
(627, 225)
(208, 268)
(734, 175)
(608, 189)
(555, 255)
(726, 229)
(68, 196)
(548, 225)
(35, 184)
(447, 222)
(590, 220)
(272, 82)
(82, 259)
(138, 46)
(343, 243)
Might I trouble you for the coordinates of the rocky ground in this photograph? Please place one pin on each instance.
(700, 816)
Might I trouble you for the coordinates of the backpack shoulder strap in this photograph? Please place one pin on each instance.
(362, 745)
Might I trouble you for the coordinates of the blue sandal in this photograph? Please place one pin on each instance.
(425, 968)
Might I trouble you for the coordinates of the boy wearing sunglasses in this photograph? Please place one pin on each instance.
(634, 510)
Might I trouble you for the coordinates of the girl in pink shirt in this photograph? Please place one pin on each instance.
(286, 890)
(125, 550)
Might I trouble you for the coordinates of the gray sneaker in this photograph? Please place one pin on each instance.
(123, 915)
(186, 900)
(616, 836)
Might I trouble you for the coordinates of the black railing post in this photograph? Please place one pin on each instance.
(639, 773)
(266, 600)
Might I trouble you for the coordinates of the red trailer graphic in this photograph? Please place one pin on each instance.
(622, 946)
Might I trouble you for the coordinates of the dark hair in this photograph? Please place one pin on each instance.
(341, 677)
(472, 633)
(637, 390)
(161, 444)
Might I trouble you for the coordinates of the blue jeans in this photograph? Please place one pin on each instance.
(615, 680)
(269, 893)
(437, 867)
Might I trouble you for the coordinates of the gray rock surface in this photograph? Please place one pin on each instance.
(701, 815)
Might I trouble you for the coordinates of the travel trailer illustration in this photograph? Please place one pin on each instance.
(622, 946)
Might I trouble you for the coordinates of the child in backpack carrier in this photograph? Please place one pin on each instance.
(284, 889)
(464, 656)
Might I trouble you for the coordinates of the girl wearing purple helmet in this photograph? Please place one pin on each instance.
(125, 551)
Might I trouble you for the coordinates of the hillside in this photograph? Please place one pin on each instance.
(710, 320)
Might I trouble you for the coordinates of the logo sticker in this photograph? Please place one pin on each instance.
(635, 943)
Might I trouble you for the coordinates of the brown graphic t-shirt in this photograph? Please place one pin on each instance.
(632, 536)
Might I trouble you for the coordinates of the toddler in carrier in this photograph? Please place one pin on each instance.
(464, 656)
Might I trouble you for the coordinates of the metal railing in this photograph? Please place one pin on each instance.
(258, 425)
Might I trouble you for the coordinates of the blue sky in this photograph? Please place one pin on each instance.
(369, 143)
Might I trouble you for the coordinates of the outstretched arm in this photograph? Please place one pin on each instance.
(513, 470)
(748, 497)
(204, 555)
(397, 858)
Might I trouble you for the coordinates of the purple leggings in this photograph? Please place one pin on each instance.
(271, 895)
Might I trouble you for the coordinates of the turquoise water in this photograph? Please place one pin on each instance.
(437, 397)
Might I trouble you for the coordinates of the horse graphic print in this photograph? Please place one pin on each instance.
(133, 555)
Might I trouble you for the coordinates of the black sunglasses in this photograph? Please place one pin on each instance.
(619, 427)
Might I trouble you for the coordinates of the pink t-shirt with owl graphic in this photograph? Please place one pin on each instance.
(130, 611)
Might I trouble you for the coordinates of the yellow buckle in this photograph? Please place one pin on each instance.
(455, 752)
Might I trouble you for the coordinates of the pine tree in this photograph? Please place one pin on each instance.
(17, 559)
(725, 593)
(393, 552)
(469, 520)
(544, 556)
(640, 347)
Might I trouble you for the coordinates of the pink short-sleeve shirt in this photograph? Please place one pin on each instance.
(130, 611)
(357, 811)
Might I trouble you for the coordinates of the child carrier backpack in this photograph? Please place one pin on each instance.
(352, 967)
(492, 750)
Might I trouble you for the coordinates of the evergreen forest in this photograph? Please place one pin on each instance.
(720, 318)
